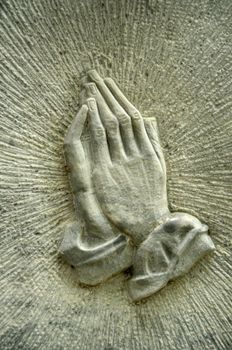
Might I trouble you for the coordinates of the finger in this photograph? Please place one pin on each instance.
(73, 148)
(121, 98)
(74, 152)
(82, 96)
(99, 145)
(104, 111)
(110, 123)
(77, 126)
(127, 135)
(137, 120)
(113, 104)
(85, 138)
(152, 132)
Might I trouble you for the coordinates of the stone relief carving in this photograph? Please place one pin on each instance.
(118, 178)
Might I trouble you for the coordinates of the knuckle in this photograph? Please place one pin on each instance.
(124, 119)
(112, 125)
(138, 124)
(100, 132)
(91, 89)
(135, 114)
(92, 106)
(99, 143)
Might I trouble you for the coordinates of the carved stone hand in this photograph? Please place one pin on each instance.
(128, 167)
(118, 176)
(92, 243)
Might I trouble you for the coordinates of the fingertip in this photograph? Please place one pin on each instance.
(108, 80)
(150, 121)
(91, 70)
(85, 108)
(82, 113)
(93, 74)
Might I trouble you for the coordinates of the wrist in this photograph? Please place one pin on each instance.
(95, 262)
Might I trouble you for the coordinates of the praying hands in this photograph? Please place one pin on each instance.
(118, 178)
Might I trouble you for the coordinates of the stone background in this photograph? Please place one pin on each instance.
(173, 59)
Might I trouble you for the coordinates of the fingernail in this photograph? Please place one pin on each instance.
(93, 74)
(91, 88)
(91, 104)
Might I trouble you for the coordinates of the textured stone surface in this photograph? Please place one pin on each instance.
(173, 56)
